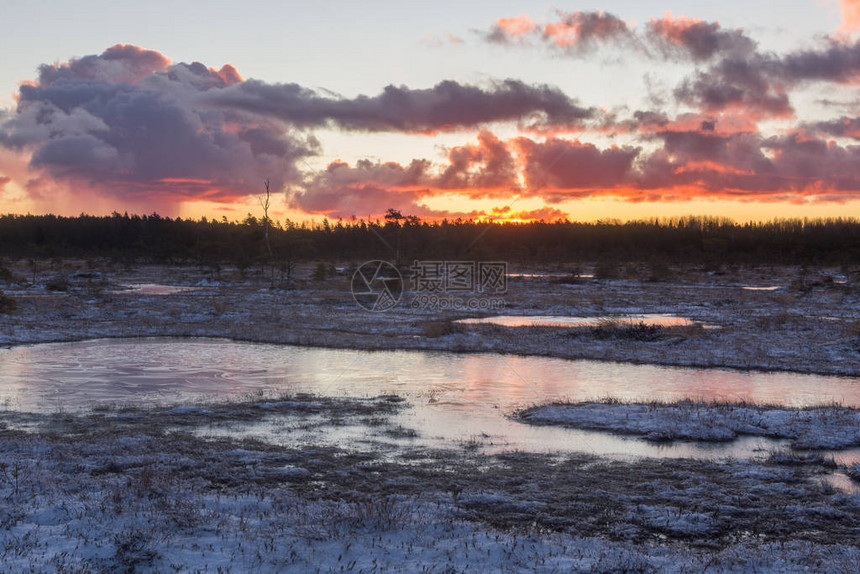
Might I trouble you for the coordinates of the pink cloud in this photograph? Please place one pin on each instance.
(516, 27)
(580, 29)
(850, 15)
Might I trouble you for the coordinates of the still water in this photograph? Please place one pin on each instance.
(650, 319)
(453, 398)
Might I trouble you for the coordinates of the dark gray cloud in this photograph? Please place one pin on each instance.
(760, 83)
(482, 169)
(573, 165)
(696, 39)
(129, 122)
(446, 106)
(746, 85)
(841, 127)
(488, 165)
(750, 165)
(579, 32)
(836, 62)
(738, 77)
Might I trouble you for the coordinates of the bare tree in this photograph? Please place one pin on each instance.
(264, 201)
(285, 266)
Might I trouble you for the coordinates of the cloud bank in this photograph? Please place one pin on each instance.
(130, 123)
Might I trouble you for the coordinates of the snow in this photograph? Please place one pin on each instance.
(786, 330)
(189, 409)
(828, 427)
(176, 489)
(92, 492)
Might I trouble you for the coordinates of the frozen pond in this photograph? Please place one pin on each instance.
(453, 397)
(154, 289)
(554, 321)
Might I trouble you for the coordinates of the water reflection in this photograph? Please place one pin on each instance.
(454, 397)
(654, 319)
(153, 289)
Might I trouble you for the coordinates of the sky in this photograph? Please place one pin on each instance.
(496, 110)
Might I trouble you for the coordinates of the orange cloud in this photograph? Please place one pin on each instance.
(579, 29)
(506, 214)
(516, 27)
(228, 74)
(121, 63)
(850, 15)
(696, 38)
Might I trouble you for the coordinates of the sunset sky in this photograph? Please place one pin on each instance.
(501, 110)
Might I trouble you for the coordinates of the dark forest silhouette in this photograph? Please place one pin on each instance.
(699, 240)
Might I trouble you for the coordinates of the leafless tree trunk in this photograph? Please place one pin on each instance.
(265, 203)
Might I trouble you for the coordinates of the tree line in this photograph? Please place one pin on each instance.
(260, 241)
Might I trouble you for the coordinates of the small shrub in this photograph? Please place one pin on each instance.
(793, 458)
(433, 329)
(659, 271)
(135, 550)
(57, 284)
(641, 331)
(219, 305)
(320, 272)
(606, 269)
(573, 278)
(7, 304)
(6, 275)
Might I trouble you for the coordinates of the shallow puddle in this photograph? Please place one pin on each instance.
(455, 399)
(153, 289)
(553, 321)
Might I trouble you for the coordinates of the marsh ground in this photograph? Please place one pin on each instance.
(160, 489)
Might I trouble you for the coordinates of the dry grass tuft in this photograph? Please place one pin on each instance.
(441, 328)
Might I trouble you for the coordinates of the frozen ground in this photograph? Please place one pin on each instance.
(161, 489)
(124, 489)
(826, 427)
(811, 323)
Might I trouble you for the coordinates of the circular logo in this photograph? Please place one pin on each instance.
(377, 286)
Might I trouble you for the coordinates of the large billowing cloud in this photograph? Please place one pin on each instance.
(127, 122)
